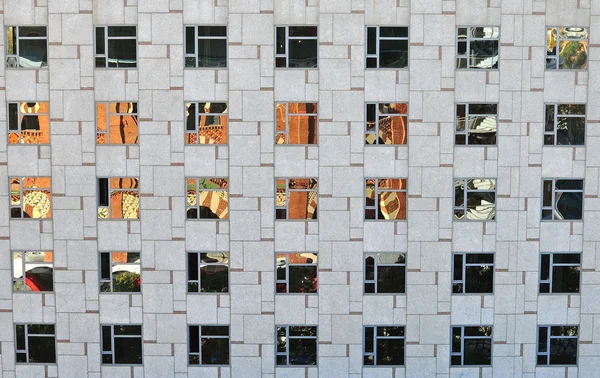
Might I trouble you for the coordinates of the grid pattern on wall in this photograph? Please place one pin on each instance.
(178, 218)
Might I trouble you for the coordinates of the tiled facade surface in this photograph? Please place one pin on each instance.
(341, 85)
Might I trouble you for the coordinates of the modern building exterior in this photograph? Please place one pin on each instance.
(300, 188)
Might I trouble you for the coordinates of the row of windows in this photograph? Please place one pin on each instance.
(297, 47)
(296, 123)
(297, 272)
(297, 345)
(296, 198)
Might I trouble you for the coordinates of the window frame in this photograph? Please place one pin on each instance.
(17, 56)
(462, 345)
(107, 115)
(111, 273)
(287, 47)
(465, 133)
(378, 40)
(98, 206)
(464, 207)
(197, 37)
(553, 199)
(287, 199)
(549, 338)
(286, 131)
(557, 56)
(199, 280)
(551, 265)
(198, 191)
(554, 132)
(376, 207)
(27, 335)
(106, 38)
(24, 270)
(200, 337)
(464, 266)
(375, 280)
(21, 198)
(187, 132)
(287, 345)
(286, 281)
(111, 352)
(375, 338)
(457, 56)
(18, 130)
(377, 115)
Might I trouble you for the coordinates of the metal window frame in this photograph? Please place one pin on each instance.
(465, 198)
(110, 272)
(378, 40)
(197, 37)
(286, 281)
(375, 338)
(551, 264)
(558, 40)
(112, 343)
(554, 191)
(462, 344)
(19, 114)
(287, 344)
(197, 119)
(199, 280)
(376, 206)
(107, 115)
(286, 54)
(107, 38)
(199, 353)
(17, 56)
(555, 122)
(467, 116)
(375, 276)
(377, 115)
(464, 266)
(549, 338)
(468, 51)
(23, 267)
(110, 190)
(198, 190)
(286, 131)
(27, 336)
(20, 206)
(287, 198)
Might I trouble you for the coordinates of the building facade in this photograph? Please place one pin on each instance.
(300, 188)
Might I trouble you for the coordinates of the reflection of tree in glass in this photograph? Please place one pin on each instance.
(126, 282)
(573, 55)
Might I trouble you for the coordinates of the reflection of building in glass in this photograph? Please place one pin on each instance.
(296, 123)
(207, 198)
(385, 199)
(122, 125)
(28, 122)
(296, 198)
(30, 197)
(33, 271)
(206, 123)
(118, 198)
(567, 48)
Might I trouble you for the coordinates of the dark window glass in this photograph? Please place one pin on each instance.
(42, 349)
(303, 279)
(122, 52)
(33, 53)
(128, 350)
(570, 131)
(563, 351)
(100, 47)
(479, 279)
(190, 40)
(303, 351)
(128, 330)
(390, 279)
(565, 279)
(103, 192)
(106, 339)
(393, 53)
(192, 266)
(477, 351)
(215, 351)
(13, 114)
(569, 205)
(214, 278)
(121, 31)
(484, 54)
(212, 53)
(105, 266)
(371, 40)
(303, 31)
(369, 337)
(280, 41)
(390, 351)
(303, 53)
(194, 339)
(212, 31)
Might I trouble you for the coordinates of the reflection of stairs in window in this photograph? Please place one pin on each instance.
(487, 62)
(212, 134)
(392, 130)
(487, 125)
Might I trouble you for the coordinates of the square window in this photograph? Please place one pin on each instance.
(296, 198)
(117, 123)
(296, 46)
(121, 344)
(30, 197)
(387, 47)
(476, 124)
(26, 47)
(562, 199)
(385, 273)
(208, 345)
(35, 343)
(386, 123)
(471, 346)
(477, 47)
(557, 345)
(475, 199)
(208, 272)
(115, 46)
(28, 122)
(296, 123)
(120, 272)
(207, 198)
(33, 271)
(205, 46)
(564, 125)
(567, 48)
(385, 199)
(560, 272)
(118, 198)
(296, 272)
(296, 345)
(206, 123)
(384, 346)
(472, 273)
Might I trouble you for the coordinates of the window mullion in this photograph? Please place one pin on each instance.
(26, 328)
